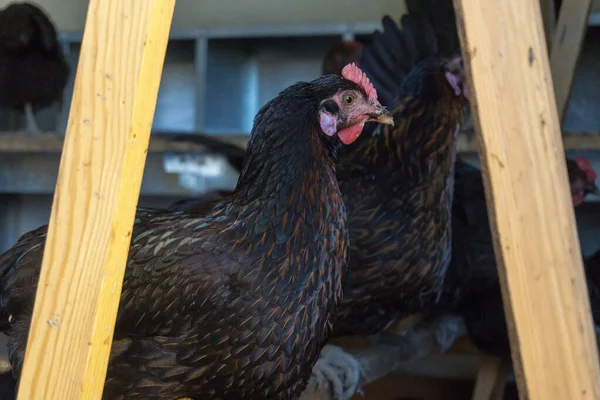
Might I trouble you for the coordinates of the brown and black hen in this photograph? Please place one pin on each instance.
(236, 303)
(472, 289)
(33, 70)
(397, 186)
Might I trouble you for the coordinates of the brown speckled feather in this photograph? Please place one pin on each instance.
(232, 304)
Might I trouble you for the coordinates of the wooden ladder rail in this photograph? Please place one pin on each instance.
(102, 162)
(535, 238)
(564, 53)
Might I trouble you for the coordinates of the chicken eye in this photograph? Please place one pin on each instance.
(348, 99)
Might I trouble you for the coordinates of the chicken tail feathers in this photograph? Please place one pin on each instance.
(394, 51)
(440, 16)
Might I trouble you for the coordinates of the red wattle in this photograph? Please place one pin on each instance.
(350, 134)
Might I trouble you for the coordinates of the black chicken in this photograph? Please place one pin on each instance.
(238, 302)
(472, 288)
(397, 186)
(33, 70)
(397, 183)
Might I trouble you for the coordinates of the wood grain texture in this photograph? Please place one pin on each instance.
(98, 185)
(565, 49)
(531, 214)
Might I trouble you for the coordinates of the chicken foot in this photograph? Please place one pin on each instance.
(338, 375)
(336, 372)
(31, 125)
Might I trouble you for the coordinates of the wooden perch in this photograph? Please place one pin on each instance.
(406, 341)
(98, 185)
(491, 379)
(566, 46)
(531, 214)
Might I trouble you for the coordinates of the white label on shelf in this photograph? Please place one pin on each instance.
(204, 165)
(193, 182)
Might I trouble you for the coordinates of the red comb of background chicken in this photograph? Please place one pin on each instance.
(355, 74)
(341, 54)
(353, 44)
(586, 167)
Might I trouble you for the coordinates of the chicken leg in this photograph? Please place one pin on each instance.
(340, 374)
(31, 126)
(336, 372)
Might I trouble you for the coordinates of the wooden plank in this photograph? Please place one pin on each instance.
(566, 46)
(94, 205)
(491, 379)
(160, 143)
(36, 174)
(531, 214)
(52, 142)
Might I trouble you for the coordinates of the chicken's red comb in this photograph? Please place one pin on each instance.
(355, 74)
(586, 167)
(353, 45)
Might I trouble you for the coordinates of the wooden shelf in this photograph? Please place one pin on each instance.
(52, 142)
(160, 142)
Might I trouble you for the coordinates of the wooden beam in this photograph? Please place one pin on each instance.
(98, 184)
(161, 143)
(491, 378)
(549, 17)
(566, 46)
(531, 214)
(52, 142)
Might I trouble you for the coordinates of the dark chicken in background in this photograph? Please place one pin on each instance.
(33, 70)
(592, 273)
(397, 185)
(340, 55)
(235, 303)
(472, 289)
